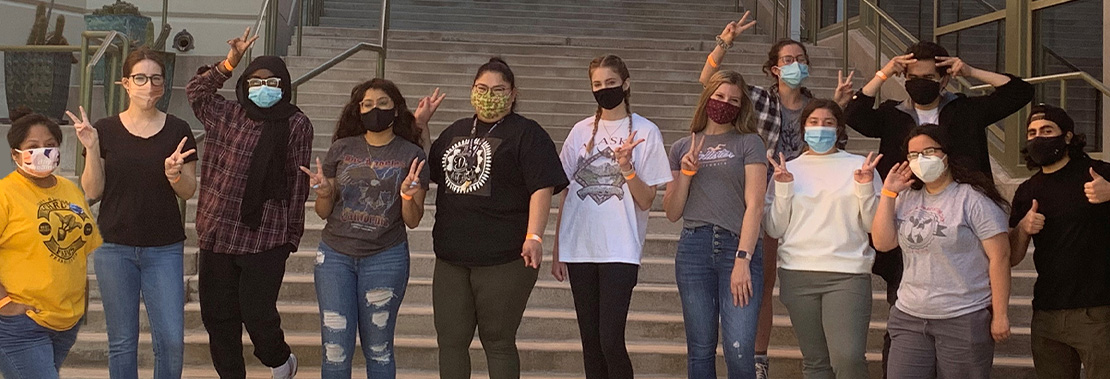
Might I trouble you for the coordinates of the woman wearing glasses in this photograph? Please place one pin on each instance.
(496, 173)
(139, 163)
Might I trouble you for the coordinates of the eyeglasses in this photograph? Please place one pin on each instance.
(790, 59)
(141, 80)
(269, 82)
(499, 90)
(928, 152)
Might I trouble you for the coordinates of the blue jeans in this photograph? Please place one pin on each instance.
(126, 273)
(703, 270)
(30, 351)
(360, 295)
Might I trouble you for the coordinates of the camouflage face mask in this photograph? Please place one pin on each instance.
(489, 105)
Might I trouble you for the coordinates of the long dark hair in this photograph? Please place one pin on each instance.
(498, 65)
(614, 63)
(957, 166)
(350, 121)
(23, 119)
(832, 107)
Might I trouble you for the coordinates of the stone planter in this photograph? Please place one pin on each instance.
(39, 81)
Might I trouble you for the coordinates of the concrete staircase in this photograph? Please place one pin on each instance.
(549, 45)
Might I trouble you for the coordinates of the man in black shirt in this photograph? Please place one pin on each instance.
(1064, 209)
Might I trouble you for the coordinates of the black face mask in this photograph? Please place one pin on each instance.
(1046, 150)
(923, 91)
(609, 98)
(377, 120)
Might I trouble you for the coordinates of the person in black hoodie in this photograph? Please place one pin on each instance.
(928, 68)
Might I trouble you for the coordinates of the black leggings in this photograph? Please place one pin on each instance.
(602, 293)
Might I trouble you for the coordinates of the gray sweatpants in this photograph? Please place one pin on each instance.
(960, 347)
(830, 313)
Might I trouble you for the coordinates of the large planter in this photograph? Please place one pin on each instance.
(39, 81)
(168, 59)
(134, 27)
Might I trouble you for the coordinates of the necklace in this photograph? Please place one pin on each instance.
(474, 127)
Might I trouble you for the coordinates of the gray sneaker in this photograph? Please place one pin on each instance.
(287, 370)
(762, 368)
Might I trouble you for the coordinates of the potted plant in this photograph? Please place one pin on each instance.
(122, 17)
(40, 80)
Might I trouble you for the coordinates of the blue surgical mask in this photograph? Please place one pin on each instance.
(264, 96)
(794, 74)
(820, 139)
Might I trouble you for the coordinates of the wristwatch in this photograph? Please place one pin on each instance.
(741, 254)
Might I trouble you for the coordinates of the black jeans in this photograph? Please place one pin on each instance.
(238, 290)
(888, 265)
(602, 293)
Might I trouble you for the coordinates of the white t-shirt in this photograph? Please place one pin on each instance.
(600, 221)
(931, 116)
(823, 216)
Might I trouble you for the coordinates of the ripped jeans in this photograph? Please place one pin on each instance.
(360, 295)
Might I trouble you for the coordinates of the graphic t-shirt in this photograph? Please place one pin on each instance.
(946, 272)
(600, 221)
(366, 218)
(485, 180)
(46, 235)
(140, 206)
(717, 192)
(791, 142)
(1072, 253)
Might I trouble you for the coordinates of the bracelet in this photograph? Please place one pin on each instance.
(406, 197)
(721, 42)
(889, 193)
(228, 66)
(536, 237)
(4, 302)
(711, 62)
(174, 181)
(630, 176)
(882, 75)
(689, 172)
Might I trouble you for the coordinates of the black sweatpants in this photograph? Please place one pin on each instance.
(602, 293)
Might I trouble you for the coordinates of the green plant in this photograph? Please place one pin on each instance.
(119, 7)
(39, 34)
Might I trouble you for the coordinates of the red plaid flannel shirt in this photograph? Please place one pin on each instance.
(229, 143)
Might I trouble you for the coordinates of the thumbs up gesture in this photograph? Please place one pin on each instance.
(1098, 189)
(1033, 222)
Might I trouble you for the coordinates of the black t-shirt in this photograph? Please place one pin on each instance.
(1072, 252)
(139, 207)
(485, 182)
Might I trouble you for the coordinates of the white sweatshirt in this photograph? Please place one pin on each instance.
(822, 218)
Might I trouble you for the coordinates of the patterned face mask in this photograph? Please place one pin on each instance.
(489, 105)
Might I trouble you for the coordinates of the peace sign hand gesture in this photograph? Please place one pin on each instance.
(411, 184)
(843, 91)
(239, 46)
(177, 159)
(623, 154)
(733, 29)
(690, 161)
(866, 173)
(427, 107)
(782, 175)
(86, 133)
(317, 180)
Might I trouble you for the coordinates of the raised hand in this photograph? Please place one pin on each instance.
(734, 28)
(317, 180)
(899, 179)
(691, 160)
(844, 88)
(177, 159)
(239, 46)
(623, 153)
(1098, 189)
(1033, 222)
(956, 66)
(411, 184)
(427, 107)
(866, 173)
(86, 133)
(897, 65)
(781, 175)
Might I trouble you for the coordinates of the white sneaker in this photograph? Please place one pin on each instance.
(287, 370)
(762, 368)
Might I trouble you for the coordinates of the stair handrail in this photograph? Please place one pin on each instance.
(115, 97)
(1062, 78)
(381, 48)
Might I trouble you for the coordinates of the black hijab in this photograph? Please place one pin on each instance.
(266, 178)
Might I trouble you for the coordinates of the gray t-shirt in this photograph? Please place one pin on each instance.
(946, 270)
(790, 138)
(366, 219)
(717, 192)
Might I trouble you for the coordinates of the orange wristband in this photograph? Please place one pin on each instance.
(689, 172)
(630, 176)
(4, 302)
(176, 180)
(406, 197)
(890, 194)
(712, 63)
(882, 75)
(535, 237)
(228, 66)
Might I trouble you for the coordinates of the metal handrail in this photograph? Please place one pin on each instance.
(1062, 77)
(381, 48)
(88, 64)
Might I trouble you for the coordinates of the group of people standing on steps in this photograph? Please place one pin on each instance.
(763, 186)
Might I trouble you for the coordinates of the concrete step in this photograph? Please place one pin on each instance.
(649, 8)
(459, 19)
(414, 10)
(207, 372)
(545, 26)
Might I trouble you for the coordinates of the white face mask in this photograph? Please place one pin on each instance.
(928, 169)
(40, 162)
